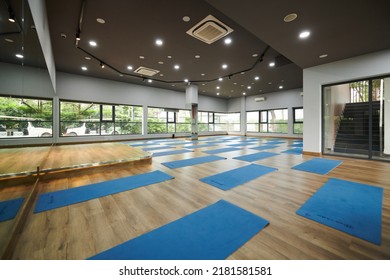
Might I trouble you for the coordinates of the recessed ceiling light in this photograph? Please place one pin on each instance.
(271, 64)
(120, 75)
(92, 43)
(249, 87)
(18, 55)
(290, 17)
(159, 42)
(9, 40)
(130, 67)
(169, 56)
(84, 68)
(217, 87)
(63, 35)
(224, 66)
(161, 75)
(100, 20)
(255, 55)
(270, 83)
(161, 62)
(197, 56)
(228, 41)
(242, 73)
(203, 84)
(186, 18)
(220, 79)
(304, 34)
(186, 80)
(141, 57)
(202, 74)
(173, 85)
(323, 55)
(244, 93)
(257, 78)
(87, 58)
(280, 87)
(217, 93)
(234, 83)
(150, 81)
(177, 66)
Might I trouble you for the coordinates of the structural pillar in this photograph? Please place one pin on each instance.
(192, 103)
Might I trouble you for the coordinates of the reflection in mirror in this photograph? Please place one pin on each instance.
(24, 78)
(26, 95)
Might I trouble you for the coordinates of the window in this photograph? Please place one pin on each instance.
(252, 121)
(268, 121)
(183, 121)
(278, 121)
(298, 120)
(157, 121)
(25, 117)
(87, 119)
(203, 121)
(220, 122)
(162, 120)
(234, 122)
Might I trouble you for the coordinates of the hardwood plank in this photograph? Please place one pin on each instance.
(82, 230)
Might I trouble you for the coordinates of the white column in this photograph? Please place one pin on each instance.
(192, 102)
(144, 120)
(243, 115)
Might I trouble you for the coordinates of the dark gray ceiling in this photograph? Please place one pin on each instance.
(340, 29)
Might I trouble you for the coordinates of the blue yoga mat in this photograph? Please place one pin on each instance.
(256, 156)
(242, 144)
(265, 147)
(191, 161)
(212, 233)
(233, 178)
(294, 151)
(297, 145)
(222, 150)
(198, 146)
(174, 152)
(162, 147)
(52, 200)
(143, 144)
(347, 206)
(318, 165)
(9, 208)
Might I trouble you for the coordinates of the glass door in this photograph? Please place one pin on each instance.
(354, 119)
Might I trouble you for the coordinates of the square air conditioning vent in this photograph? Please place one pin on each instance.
(146, 71)
(209, 30)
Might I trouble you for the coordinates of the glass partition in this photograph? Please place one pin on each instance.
(354, 118)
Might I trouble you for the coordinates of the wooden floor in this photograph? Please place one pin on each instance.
(85, 229)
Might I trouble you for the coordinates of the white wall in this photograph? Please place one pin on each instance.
(370, 65)
(83, 88)
(387, 116)
(275, 100)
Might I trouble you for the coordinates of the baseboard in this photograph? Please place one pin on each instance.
(311, 154)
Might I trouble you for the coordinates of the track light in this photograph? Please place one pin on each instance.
(78, 36)
(101, 65)
(11, 16)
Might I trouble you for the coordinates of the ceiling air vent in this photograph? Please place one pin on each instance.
(146, 71)
(209, 30)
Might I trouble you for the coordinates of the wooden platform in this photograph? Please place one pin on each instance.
(53, 161)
